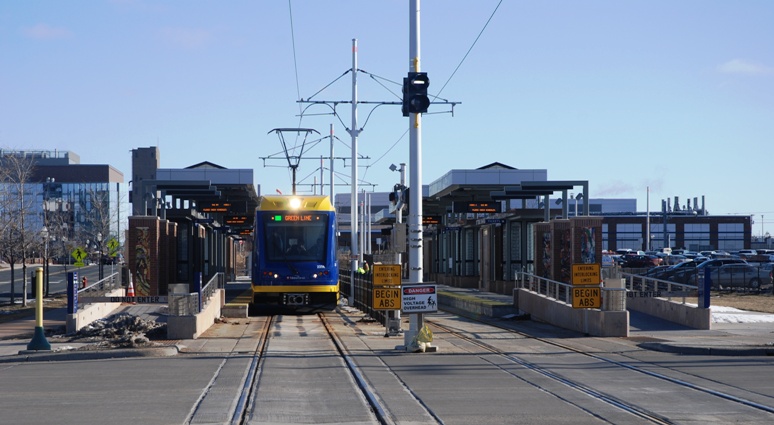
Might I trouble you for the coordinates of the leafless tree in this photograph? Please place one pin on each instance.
(99, 216)
(15, 207)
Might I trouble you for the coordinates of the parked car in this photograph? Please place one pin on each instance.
(681, 272)
(656, 272)
(739, 275)
(766, 272)
(720, 254)
(671, 260)
(640, 261)
(693, 271)
(747, 253)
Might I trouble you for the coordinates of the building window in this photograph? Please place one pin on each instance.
(628, 235)
(731, 236)
(657, 235)
(697, 236)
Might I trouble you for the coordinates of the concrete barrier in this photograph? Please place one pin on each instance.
(191, 327)
(481, 304)
(235, 310)
(587, 320)
(88, 313)
(677, 312)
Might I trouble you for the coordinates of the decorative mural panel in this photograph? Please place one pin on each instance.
(546, 259)
(142, 262)
(565, 255)
(588, 245)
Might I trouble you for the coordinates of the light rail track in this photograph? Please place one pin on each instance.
(610, 399)
(268, 375)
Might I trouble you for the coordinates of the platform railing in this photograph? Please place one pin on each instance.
(559, 291)
(614, 299)
(189, 304)
(101, 287)
(363, 297)
(659, 287)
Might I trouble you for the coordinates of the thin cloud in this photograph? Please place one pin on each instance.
(613, 188)
(186, 37)
(46, 32)
(743, 67)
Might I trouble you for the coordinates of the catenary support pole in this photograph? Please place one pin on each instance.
(416, 321)
(353, 132)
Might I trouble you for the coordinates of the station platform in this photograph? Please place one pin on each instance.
(753, 337)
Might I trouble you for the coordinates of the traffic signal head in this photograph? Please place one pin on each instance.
(415, 98)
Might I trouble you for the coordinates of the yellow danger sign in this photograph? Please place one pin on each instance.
(387, 274)
(586, 297)
(387, 298)
(586, 274)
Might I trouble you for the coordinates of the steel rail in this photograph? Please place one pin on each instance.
(679, 382)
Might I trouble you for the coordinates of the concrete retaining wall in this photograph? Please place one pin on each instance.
(191, 327)
(693, 317)
(589, 321)
(92, 312)
(478, 305)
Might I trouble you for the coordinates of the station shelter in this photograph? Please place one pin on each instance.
(187, 223)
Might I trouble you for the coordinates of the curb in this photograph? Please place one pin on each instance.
(48, 356)
(719, 350)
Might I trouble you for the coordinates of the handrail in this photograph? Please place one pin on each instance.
(559, 291)
(189, 304)
(101, 287)
(209, 289)
(635, 282)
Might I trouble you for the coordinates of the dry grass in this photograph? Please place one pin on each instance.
(763, 303)
(17, 311)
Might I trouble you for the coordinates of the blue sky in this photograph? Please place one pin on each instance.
(677, 96)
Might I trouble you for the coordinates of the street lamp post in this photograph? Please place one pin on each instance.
(44, 235)
(99, 249)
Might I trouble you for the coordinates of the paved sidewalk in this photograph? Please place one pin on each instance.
(732, 333)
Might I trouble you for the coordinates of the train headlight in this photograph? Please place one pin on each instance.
(314, 276)
(295, 203)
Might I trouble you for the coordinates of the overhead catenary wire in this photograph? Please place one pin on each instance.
(470, 49)
(379, 80)
(295, 58)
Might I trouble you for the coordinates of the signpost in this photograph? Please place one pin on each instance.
(491, 207)
(586, 274)
(387, 274)
(386, 298)
(79, 255)
(112, 245)
(161, 299)
(419, 299)
(386, 292)
(586, 292)
(586, 297)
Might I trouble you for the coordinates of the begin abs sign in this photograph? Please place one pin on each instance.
(419, 299)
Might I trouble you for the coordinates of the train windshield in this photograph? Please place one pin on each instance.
(295, 236)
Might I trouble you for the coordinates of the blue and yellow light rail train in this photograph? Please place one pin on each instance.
(294, 255)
